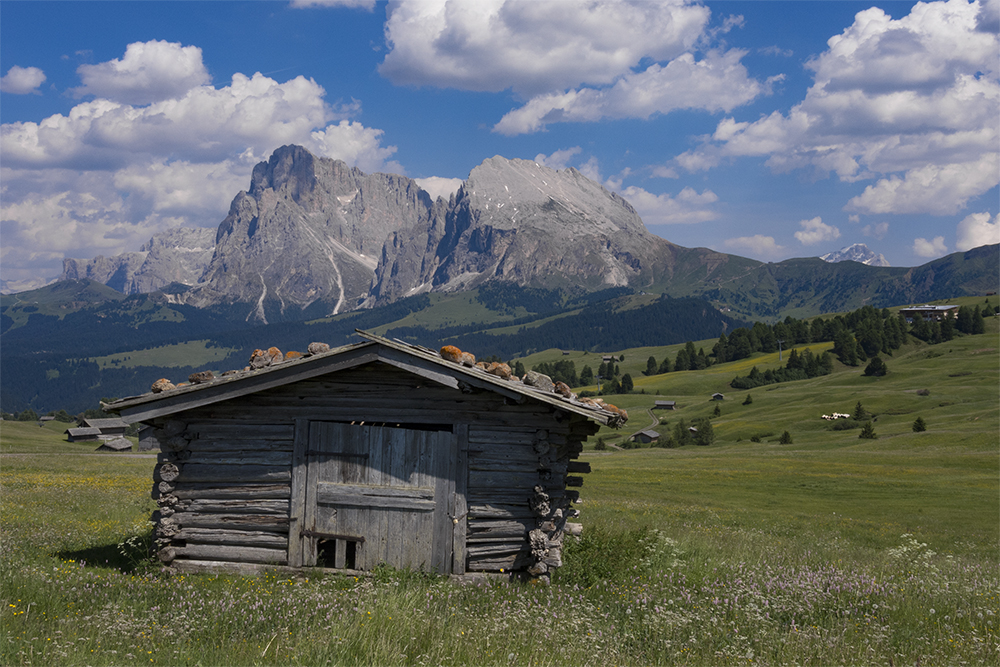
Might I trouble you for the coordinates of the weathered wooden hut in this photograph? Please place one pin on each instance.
(646, 436)
(376, 452)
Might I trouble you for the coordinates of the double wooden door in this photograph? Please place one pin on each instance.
(377, 494)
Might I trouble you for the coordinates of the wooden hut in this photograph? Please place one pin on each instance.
(116, 445)
(375, 452)
(646, 436)
(83, 434)
(108, 427)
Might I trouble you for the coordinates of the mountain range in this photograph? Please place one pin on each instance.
(312, 237)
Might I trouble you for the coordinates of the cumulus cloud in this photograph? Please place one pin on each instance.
(933, 248)
(816, 231)
(977, 229)
(757, 246)
(148, 72)
(22, 80)
(436, 186)
(106, 176)
(718, 82)
(688, 207)
(878, 230)
(572, 61)
(909, 102)
(533, 47)
(558, 159)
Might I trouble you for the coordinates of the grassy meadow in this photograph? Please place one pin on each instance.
(831, 550)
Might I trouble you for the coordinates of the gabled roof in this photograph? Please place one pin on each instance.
(649, 433)
(82, 431)
(412, 358)
(112, 422)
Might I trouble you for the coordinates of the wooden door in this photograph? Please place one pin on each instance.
(375, 494)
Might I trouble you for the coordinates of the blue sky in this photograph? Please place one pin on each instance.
(765, 129)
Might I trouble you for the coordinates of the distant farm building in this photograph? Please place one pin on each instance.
(83, 434)
(116, 445)
(375, 452)
(929, 313)
(665, 405)
(718, 397)
(109, 427)
(647, 436)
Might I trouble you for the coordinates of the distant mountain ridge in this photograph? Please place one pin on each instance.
(857, 252)
(312, 237)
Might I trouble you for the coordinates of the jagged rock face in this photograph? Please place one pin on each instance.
(858, 252)
(309, 230)
(178, 255)
(518, 221)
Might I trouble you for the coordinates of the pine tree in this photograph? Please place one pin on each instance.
(868, 431)
(919, 425)
(650, 366)
(786, 438)
(749, 400)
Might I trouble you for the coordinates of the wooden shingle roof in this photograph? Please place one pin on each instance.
(412, 358)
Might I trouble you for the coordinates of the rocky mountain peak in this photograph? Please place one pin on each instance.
(857, 252)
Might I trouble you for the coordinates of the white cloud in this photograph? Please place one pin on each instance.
(757, 246)
(148, 72)
(106, 176)
(22, 80)
(533, 47)
(816, 231)
(933, 248)
(718, 82)
(938, 189)
(908, 102)
(688, 207)
(558, 159)
(878, 230)
(976, 230)
(437, 186)
(356, 145)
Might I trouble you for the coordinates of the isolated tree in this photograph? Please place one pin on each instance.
(868, 431)
(860, 414)
(786, 438)
(876, 367)
(749, 400)
(717, 411)
(627, 386)
(601, 445)
(704, 434)
(919, 425)
(650, 366)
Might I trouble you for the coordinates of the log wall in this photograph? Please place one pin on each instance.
(223, 477)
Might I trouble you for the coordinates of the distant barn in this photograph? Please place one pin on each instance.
(646, 436)
(82, 434)
(376, 452)
(665, 405)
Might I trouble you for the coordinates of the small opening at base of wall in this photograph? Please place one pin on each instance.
(326, 554)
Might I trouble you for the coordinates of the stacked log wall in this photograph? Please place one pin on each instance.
(223, 479)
